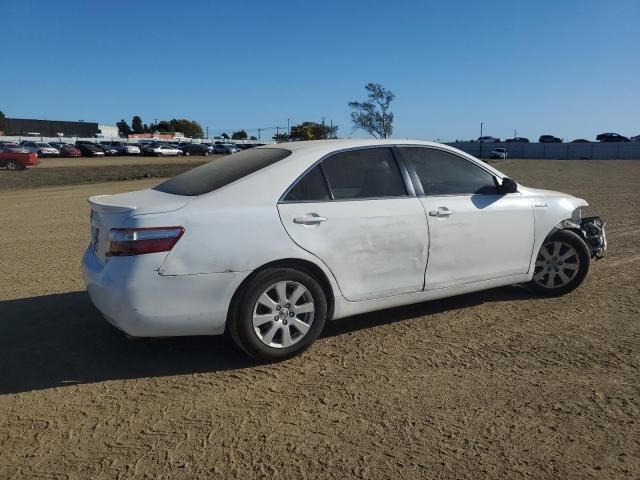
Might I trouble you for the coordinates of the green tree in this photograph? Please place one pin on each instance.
(253, 137)
(225, 136)
(312, 131)
(239, 135)
(373, 116)
(189, 128)
(123, 128)
(2, 122)
(164, 126)
(136, 124)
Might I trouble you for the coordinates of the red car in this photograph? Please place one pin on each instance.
(69, 151)
(17, 158)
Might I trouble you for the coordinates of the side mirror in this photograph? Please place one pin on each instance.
(508, 186)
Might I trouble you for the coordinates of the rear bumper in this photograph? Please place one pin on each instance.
(131, 294)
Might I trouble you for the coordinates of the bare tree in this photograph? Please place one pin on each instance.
(373, 116)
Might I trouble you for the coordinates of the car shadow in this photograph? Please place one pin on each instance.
(398, 314)
(60, 340)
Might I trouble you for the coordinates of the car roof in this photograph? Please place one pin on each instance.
(304, 154)
(343, 144)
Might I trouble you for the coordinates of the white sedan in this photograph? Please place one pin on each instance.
(270, 243)
(166, 151)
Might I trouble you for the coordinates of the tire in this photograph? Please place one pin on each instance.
(288, 333)
(187, 153)
(14, 166)
(561, 265)
(179, 154)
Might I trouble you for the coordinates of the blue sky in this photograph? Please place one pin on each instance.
(570, 68)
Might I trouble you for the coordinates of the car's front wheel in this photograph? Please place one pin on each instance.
(562, 264)
(279, 314)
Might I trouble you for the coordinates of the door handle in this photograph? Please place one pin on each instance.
(441, 212)
(310, 219)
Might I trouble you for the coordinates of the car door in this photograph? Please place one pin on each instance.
(353, 211)
(475, 233)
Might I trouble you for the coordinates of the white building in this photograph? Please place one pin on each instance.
(107, 131)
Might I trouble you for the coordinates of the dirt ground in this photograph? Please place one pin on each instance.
(53, 172)
(119, 161)
(497, 384)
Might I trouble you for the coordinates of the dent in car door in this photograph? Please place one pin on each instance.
(374, 248)
(367, 230)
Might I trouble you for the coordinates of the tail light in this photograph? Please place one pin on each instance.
(138, 241)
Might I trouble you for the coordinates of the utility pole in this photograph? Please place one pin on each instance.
(324, 131)
(259, 130)
(277, 134)
(331, 131)
(481, 141)
(288, 129)
(515, 133)
(207, 131)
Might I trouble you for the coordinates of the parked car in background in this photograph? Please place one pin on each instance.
(499, 153)
(635, 139)
(123, 148)
(611, 137)
(41, 148)
(15, 157)
(146, 148)
(488, 139)
(89, 149)
(108, 150)
(549, 139)
(297, 247)
(225, 148)
(195, 149)
(580, 140)
(517, 140)
(69, 151)
(166, 151)
(58, 145)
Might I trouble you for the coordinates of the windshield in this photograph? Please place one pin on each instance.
(220, 172)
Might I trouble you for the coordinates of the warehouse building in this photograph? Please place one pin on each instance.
(49, 128)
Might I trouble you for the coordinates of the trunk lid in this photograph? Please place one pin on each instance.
(111, 211)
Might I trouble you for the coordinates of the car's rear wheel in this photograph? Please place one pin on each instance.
(279, 314)
(187, 153)
(561, 265)
(14, 165)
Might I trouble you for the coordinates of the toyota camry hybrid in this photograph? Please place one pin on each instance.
(270, 243)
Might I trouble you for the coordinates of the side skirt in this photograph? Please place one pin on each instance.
(344, 308)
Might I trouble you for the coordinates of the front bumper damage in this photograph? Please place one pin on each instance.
(592, 229)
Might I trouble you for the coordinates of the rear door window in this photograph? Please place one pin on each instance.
(364, 173)
(311, 187)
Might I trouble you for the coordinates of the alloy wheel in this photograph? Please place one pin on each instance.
(283, 314)
(557, 264)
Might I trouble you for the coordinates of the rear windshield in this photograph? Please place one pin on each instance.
(220, 172)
